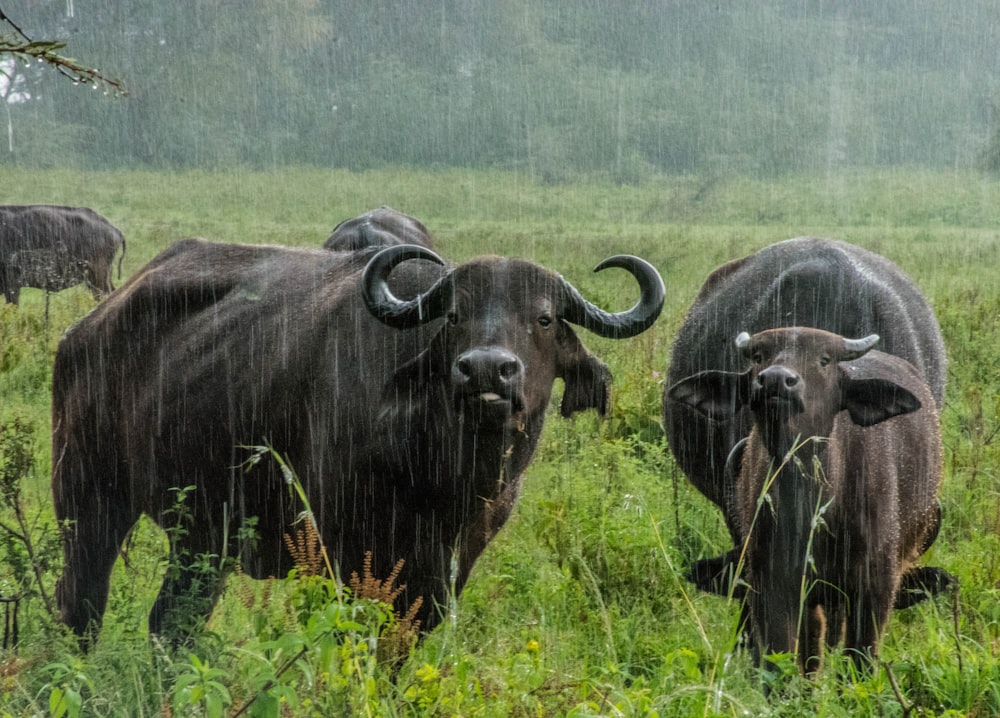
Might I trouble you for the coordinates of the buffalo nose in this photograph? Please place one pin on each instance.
(777, 380)
(487, 368)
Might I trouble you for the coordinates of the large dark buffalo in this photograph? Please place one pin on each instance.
(53, 248)
(846, 450)
(382, 227)
(807, 282)
(409, 405)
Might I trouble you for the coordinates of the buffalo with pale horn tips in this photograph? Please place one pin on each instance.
(836, 491)
(408, 396)
(801, 282)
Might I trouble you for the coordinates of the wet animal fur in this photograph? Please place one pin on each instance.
(808, 282)
(855, 444)
(210, 348)
(53, 248)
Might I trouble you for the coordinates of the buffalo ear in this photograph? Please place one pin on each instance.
(870, 401)
(717, 395)
(587, 386)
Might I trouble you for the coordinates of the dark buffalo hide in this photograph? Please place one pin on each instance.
(408, 404)
(382, 227)
(808, 282)
(836, 493)
(53, 248)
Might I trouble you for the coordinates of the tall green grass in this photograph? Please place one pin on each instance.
(579, 606)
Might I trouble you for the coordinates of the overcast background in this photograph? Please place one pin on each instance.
(558, 89)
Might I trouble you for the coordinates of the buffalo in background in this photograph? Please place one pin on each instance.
(382, 227)
(53, 248)
(836, 492)
(803, 282)
(409, 404)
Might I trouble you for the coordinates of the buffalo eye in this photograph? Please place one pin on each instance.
(544, 321)
(452, 317)
(757, 358)
(824, 360)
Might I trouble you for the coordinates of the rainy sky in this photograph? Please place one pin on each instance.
(560, 89)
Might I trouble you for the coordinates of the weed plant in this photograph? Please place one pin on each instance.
(579, 607)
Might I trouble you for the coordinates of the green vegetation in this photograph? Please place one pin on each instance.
(579, 607)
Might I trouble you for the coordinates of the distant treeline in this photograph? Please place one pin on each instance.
(554, 89)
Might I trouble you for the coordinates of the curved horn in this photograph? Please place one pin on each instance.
(742, 343)
(854, 348)
(620, 325)
(399, 313)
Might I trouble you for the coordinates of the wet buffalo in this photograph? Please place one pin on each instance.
(409, 405)
(382, 227)
(53, 248)
(845, 450)
(808, 282)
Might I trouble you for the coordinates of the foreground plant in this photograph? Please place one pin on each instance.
(25, 550)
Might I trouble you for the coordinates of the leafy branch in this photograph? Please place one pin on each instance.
(16, 462)
(49, 52)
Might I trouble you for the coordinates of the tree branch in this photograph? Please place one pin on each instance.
(19, 536)
(48, 51)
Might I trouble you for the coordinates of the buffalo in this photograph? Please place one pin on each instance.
(382, 227)
(807, 282)
(409, 405)
(53, 248)
(836, 492)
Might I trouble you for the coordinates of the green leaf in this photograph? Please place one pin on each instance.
(57, 703)
(74, 702)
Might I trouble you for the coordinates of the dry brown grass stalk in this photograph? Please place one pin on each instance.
(395, 643)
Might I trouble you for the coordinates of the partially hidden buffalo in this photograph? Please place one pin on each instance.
(53, 248)
(807, 282)
(382, 227)
(836, 494)
(409, 405)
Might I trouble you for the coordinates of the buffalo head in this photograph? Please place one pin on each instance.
(506, 334)
(381, 227)
(798, 381)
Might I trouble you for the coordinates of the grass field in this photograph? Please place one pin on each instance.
(579, 607)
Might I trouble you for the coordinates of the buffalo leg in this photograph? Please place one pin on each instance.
(9, 283)
(717, 575)
(93, 533)
(920, 583)
(189, 592)
(868, 614)
(811, 639)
